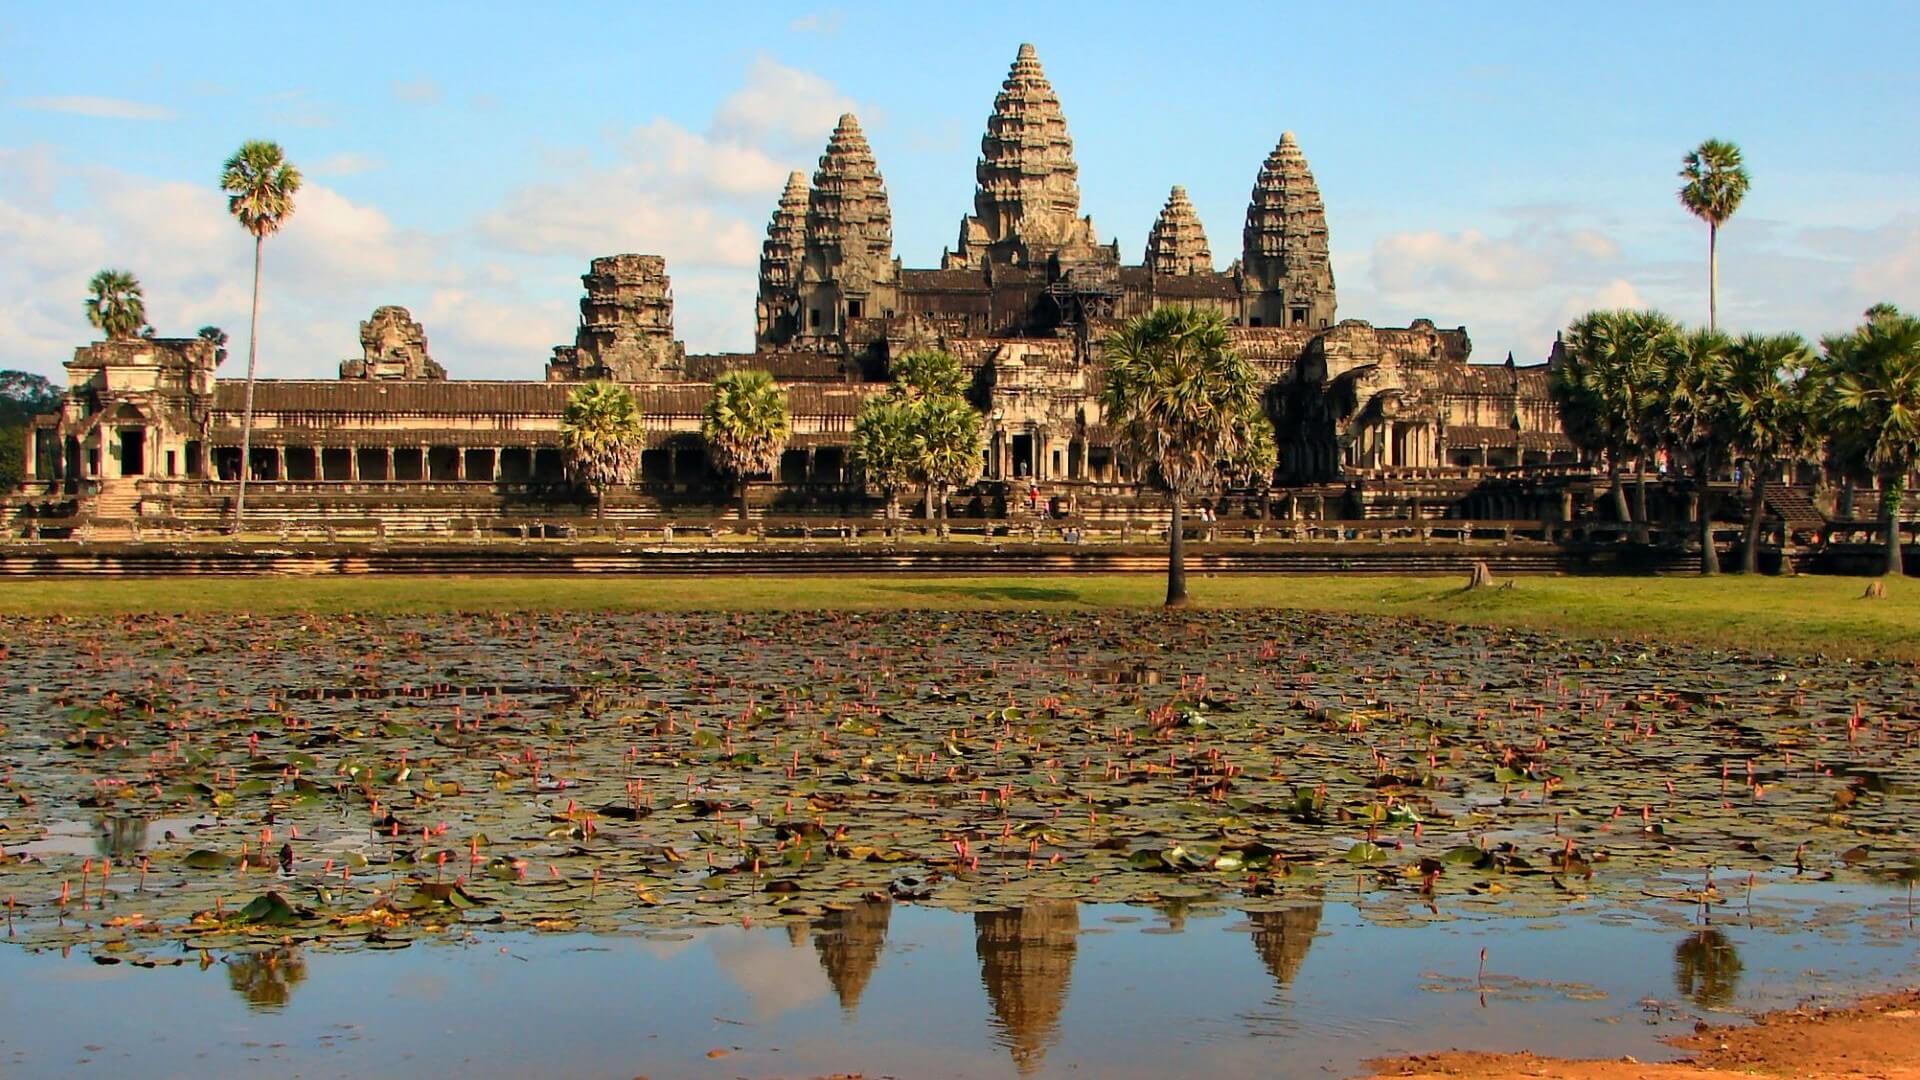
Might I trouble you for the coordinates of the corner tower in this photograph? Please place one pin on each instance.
(1286, 278)
(776, 315)
(1026, 205)
(1177, 246)
(847, 271)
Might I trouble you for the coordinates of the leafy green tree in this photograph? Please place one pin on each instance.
(947, 436)
(1183, 402)
(1609, 388)
(602, 435)
(1768, 420)
(1699, 422)
(23, 396)
(885, 445)
(746, 426)
(216, 337)
(1872, 393)
(928, 373)
(260, 185)
(1716, 182)
(115, 304)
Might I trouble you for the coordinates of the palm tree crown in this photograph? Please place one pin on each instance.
(884, 445)
(1716, 181)
(929, 373)
(1178, 395)
(1873, 393)
(948, 433)
(260, 185)
(602, 434)
(746, 423)
(116, 307)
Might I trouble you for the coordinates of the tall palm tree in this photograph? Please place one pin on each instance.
(1698, 423)
(216, 337)
(602, 434)
(746, 426)
(1182, 402)
(1767, 420)
(1873, 400)
(115, 305)
(1716, 181)
(947, 438)
(260, 186)
(884, 445)
(1610, 384)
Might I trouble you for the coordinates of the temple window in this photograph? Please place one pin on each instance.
(813, 318)
(1299, 316)
(853, 309)
(1254, 321)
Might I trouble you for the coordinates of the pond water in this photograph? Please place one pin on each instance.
(923, 843)
(905, 990)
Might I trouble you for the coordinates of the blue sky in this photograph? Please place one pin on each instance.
(1499, 166)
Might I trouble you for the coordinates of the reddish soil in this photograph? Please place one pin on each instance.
(1878, 1037)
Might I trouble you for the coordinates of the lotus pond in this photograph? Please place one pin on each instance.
(640, 838)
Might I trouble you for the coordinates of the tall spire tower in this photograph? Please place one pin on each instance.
(776, 313)
(847, 271)
(1287, 279)
(1026, 207)
(1177, 246)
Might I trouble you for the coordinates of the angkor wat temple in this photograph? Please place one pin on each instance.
(1366, 416)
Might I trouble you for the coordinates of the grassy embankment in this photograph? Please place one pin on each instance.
(1801, 615)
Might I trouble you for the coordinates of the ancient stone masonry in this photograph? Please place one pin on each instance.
(848, 272)
(777, 314)
(1026, 208)
(1023, 303)
(1287, 279)
(1177, 246)
(626, 325)
(392, 346)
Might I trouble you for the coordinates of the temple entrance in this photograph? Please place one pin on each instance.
(133, 451)
(1022, 456)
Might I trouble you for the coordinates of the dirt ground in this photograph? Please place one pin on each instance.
(1878, 1037)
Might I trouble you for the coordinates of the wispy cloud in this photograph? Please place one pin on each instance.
(417, 92)
(819, 22)
(102, 108)
(345, 163)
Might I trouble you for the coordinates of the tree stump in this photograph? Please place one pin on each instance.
(1482, 575)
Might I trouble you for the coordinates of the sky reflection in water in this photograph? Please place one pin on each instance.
(903, 990)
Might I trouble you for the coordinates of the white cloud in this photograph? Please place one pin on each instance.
(104, 108)
(787, 105)
(417, 92)
(344, 163)
(818, 22)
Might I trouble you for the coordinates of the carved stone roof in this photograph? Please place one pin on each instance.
(1026, 205)
(849, 222)
(786, 237)
(351, 400)
(1177, 245)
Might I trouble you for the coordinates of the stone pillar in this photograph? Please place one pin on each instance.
(459, 463)
(280, 464)
(808, 473)
(499, 453)
(353, 464)
(389, 474)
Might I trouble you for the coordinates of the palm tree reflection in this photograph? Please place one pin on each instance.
(266, 978)
(1706, 969)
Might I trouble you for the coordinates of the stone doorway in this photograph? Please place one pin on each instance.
(133, 451)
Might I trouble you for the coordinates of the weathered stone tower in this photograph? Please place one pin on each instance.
(1286, 279)
(848, 271)
(777, 313)
(1026, 208)
(392, 346)
(1177, 245)
(626, 325)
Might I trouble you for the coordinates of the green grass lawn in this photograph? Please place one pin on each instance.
(1803, 614)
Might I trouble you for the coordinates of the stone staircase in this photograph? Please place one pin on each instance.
(1795, 507)
(111, 514)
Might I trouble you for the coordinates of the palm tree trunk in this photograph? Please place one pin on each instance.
(246, 412)
(1845, 509)
(929, 508)
(1703, 484)
(1177, 557)
(1619, 489)
(1641, 533)
(1895, 487)
(1756, 509)
(1713, 276)
(744, 513)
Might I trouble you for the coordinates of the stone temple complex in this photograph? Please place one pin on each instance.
(1366, 417)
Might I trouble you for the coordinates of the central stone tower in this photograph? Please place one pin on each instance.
(1026, 208)
(847, 269)
(1286, 278)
